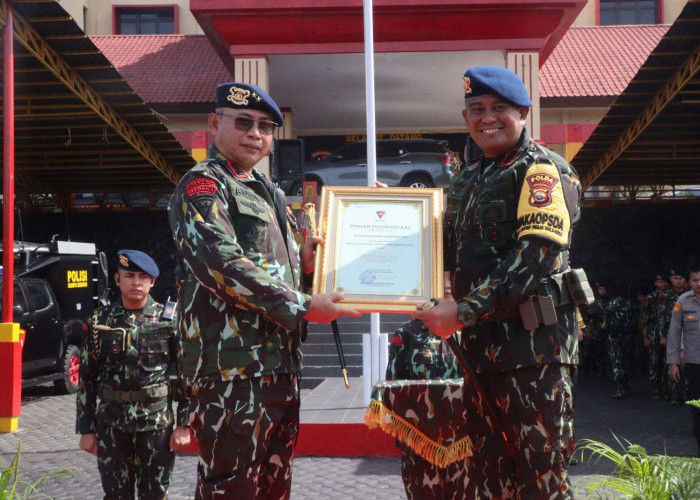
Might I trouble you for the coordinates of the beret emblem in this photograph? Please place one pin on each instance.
(123, 260)
(238, 96)
(467, 85)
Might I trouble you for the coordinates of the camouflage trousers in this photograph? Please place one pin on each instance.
(535, 406)
(246, 431)
(658, 372)
(619, 352)
(425, 481)
(126, 459)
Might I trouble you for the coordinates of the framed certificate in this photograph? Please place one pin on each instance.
(382, 247)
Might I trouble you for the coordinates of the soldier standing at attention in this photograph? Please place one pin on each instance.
(241, 308)
(598, 312)
(685, 331)
(658, 316)
(128, 362)
(620, 335)
(508, 229)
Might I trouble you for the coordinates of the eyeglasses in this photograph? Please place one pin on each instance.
(244, 124)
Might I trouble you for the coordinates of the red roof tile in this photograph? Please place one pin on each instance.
(598, 60)
(166, 68)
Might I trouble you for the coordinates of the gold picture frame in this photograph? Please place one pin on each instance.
(382, 247)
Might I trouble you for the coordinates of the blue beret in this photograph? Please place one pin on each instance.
(246, 96)
(134, 260)
(480, 80)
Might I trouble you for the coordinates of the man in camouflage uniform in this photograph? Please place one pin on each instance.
(507, 231)
(658, 316)
(417, 354)
(129, 362)
(241, 308)
(598, 317)
(620, 342)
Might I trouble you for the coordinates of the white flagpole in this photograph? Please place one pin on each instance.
(370, 373)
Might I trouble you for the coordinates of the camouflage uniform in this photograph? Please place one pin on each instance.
(620, 342)
(508, 227)
(239, 274)
(139, 351)
(598, 355)
(416, 354)
(658, 317)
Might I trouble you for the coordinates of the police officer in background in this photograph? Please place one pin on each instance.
(685, 331)
(508, 229)
(128, 382)
(678, 288)
(241, 308)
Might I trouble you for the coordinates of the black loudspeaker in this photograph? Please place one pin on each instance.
(288, 158)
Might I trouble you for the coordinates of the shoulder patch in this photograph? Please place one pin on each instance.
(676, 307)
(542, 209)
(200, 185)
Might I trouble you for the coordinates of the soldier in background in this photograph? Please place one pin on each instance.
(127, 361)
(417, 354)
(658, 315)
(620, 343)
(639, 364)
(240, 276)
(599, 331)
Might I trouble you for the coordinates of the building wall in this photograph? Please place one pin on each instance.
(98, 14)
(670, 10)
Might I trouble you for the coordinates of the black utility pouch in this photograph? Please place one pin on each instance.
(579, 289)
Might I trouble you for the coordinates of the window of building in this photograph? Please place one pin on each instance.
(145, 20)
(628, 12)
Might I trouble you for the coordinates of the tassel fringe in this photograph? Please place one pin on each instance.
(378, 415)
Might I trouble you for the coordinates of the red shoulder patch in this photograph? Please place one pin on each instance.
(201, 185)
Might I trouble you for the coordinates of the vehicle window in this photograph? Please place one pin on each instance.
(18, 298)
(357, 151)
(38, 295)
(386, 150)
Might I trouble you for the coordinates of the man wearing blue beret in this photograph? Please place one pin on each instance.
(240, 276)
(128, 362)
(507, 230)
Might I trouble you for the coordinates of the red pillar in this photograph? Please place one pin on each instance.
(10, 350)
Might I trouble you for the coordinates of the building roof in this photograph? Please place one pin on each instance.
(166, 68)
(598, 61)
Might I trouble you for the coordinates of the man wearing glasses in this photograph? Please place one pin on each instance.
(240, 274)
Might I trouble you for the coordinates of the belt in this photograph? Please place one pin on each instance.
(148, 393)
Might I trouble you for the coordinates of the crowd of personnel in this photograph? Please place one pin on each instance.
(628, 335)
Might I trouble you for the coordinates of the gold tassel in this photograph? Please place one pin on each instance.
(378, 415)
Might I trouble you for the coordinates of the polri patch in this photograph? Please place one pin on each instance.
(200, 185)
(676, 307)
(542, 210)
(541, 189)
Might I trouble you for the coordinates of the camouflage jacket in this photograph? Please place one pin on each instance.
(417, 354)
(139, 351)
(508, 225)
(658, 313)
(598, 315)
(238, 274)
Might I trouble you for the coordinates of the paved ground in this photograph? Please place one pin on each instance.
(48, 443)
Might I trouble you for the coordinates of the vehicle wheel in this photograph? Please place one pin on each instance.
(68, 383)
(417, 181)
